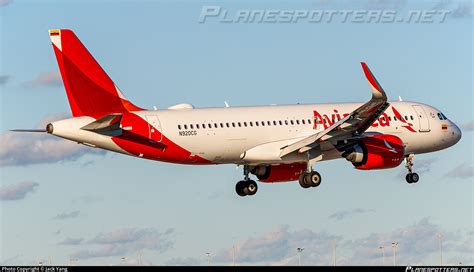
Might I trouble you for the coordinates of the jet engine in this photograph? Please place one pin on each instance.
(379, 151)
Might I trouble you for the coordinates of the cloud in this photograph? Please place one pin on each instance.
(462, 171)
(127, 241)
(188, 261)
(347, 213)
(457, 10)
(278, 247)
(67, 215)
(417, 244)
(45, 79)
(135, 262)
(463, 10)
(71, 241)
(469, 126)
(4, 78)
(17, 191)
(24, 148)
(4, 3)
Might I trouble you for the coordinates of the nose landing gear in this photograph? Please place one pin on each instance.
(411, 177)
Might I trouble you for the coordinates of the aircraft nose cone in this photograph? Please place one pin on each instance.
(457, 134)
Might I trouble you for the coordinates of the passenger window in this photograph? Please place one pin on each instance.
(394, 118)
(239, 124)
(227, 124)
(222, 125)
(233, 124)
(191, 126)
(215, 125)
(269, 123)
(185, 127)
(297, 121)
(406, 118)
(251, 124)
(411, 117)
(286, 122)
(280, 122)
(245, 124)
(203, 125)
(389, 118)
(291, 122)
(263, 124)
(209, 125)
(309, 121)
(197, 126)
(274, 122)
(256, 124)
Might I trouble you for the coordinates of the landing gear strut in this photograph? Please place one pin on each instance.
(247, 186)
(310, 178)
(411, 177)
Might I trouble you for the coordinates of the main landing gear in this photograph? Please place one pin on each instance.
(247, 186)
(310, 178)
(410, 177)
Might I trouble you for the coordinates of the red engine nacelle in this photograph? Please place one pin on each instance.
(280, 172)
(380, 151)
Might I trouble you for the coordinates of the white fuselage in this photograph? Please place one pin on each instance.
(252, 134)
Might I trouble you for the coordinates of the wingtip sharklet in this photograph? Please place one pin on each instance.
(377, 90)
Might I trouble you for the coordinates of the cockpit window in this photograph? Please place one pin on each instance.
(442, 116)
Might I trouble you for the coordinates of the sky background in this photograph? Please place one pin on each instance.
(65, 203)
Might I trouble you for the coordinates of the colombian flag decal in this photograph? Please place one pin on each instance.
(54, 32)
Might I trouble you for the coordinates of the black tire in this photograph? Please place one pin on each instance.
(251, 187)
(415, 178)
(314, 179)
(302, 180)
(239, 188)
(408, 178)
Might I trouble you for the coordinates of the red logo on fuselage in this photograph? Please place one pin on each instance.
(383, 121)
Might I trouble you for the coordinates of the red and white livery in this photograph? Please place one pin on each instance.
(276, 143)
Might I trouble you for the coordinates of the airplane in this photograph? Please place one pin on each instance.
(275, 143)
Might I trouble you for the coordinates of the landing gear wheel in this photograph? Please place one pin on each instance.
(408, 178)
(414, 177)
(239, 188)
(303, 180)
(311, 179)
(314, 179)
(250, 187)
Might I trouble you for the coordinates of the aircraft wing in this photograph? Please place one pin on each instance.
(352, 125)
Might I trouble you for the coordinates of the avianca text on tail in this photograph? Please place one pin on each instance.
(277, 143)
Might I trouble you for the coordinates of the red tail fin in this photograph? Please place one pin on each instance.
(89, 89)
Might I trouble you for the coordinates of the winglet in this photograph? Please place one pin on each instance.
(377, 90)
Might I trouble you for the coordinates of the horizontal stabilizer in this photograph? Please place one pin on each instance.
(110, 122)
